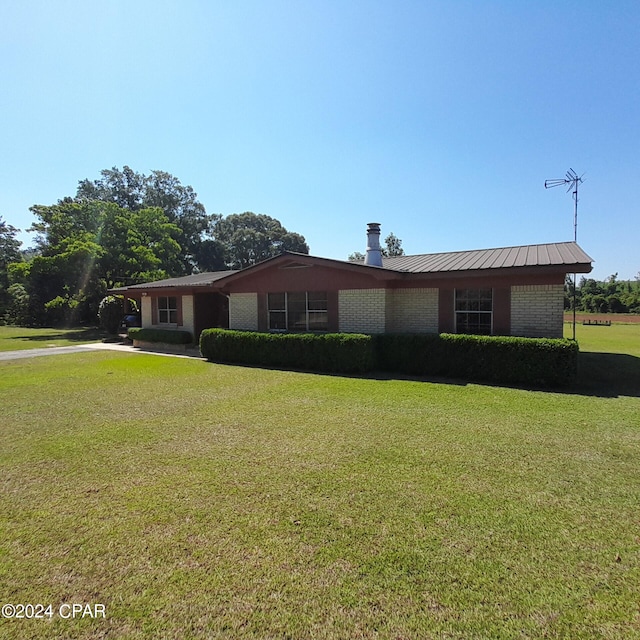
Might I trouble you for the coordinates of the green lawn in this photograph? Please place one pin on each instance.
(18, 338)
(197, 500)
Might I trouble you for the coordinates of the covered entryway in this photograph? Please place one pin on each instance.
(210, 310)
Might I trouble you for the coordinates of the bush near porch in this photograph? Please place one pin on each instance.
(507, 360)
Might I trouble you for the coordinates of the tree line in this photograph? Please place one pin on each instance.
(606, 296)
(123, 228)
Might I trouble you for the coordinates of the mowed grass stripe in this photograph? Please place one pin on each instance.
(198, 500)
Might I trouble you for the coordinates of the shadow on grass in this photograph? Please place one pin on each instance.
(607, 375)
(603, 375)
(84, 334)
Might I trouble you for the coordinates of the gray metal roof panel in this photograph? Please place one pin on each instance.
(193, 280)
(553, 254)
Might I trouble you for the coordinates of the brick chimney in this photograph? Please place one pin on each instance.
(373, 256)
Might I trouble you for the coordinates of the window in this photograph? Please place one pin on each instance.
(167, 310)
(305, 311)
(474, 311)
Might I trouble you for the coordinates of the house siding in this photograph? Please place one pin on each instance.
(243, 311)
(412, 310)
(146, 312)
(188, 315)
(537, 310)
(362, 310)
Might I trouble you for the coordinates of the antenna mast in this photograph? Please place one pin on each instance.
(572, 179)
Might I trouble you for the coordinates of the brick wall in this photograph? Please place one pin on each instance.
(537, 310)
(362, 310)
(146, 313)
(243, 311)
(187, 314)
(412, 311)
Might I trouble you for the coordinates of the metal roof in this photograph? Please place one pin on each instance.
(194, 280)
(567, 254)
(558, 254)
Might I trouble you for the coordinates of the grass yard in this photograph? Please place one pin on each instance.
(18, 338)
(196, 500)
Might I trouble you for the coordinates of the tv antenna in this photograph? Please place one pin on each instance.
(572, 179)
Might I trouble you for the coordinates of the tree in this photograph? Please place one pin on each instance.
(612, 284)
(568, 292)
(248, 238)
(9, 252)
(138, 246)
(393, 246)
(356, 256)
(18, 305)
(135, 191)
(88, 246)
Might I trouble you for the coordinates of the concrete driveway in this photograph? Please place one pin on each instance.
(91, 346)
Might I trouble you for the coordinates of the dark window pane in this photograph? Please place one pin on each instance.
(276, 301)
(297, 300)
(317, 301)
(318, 321)
(297, 320)
(277, 321)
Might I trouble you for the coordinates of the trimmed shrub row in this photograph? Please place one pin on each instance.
(504, 359)
(160, 335)
(507, 360)
(328, 352)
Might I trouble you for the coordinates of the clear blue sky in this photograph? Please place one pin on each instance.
(439, 119)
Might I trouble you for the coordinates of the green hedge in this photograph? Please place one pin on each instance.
(330, 352)
(507, 360)
(160, 335)
(511, 360)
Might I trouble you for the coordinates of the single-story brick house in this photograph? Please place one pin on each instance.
(516, 291)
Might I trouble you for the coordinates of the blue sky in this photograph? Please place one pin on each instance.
(439, 119)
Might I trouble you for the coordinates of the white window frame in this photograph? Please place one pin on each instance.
(168, 310)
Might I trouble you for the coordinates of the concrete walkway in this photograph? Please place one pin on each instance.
(91, 346)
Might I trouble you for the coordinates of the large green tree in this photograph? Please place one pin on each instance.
(134, 191)
(87, 246)
(9, 252)
(248, 238)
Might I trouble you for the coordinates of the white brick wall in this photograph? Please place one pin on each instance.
(187, 314)
(146, 314)
(362, 310)
(243, 311)
(537, 310)
(412, 311)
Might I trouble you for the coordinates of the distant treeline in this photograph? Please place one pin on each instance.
(606, 296)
